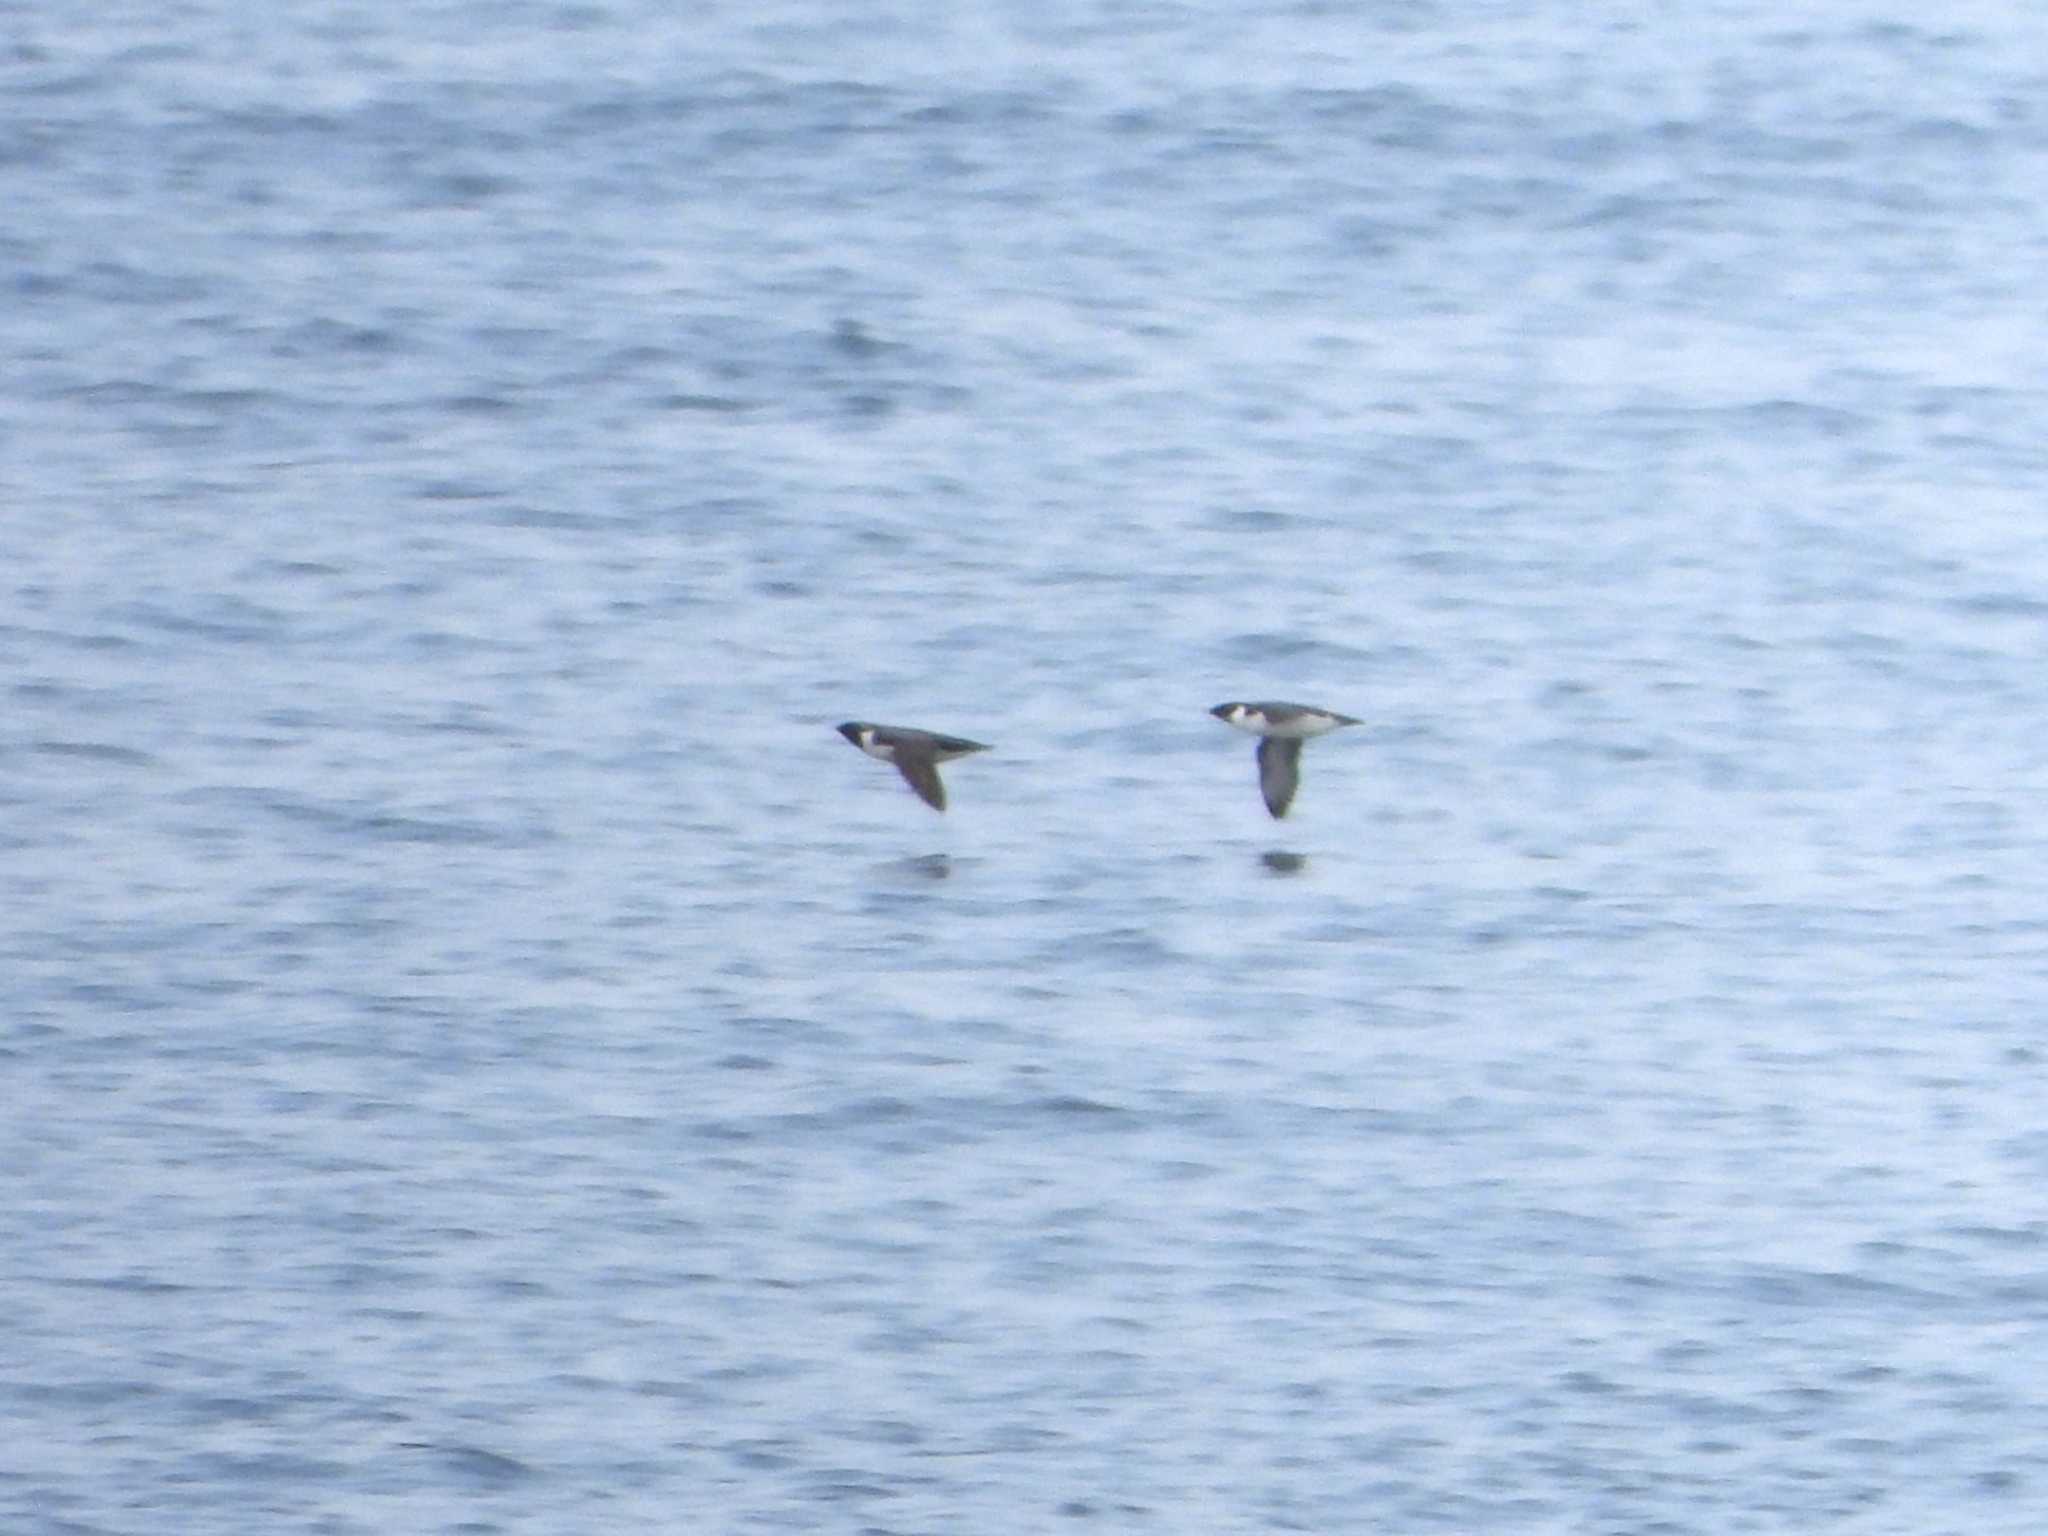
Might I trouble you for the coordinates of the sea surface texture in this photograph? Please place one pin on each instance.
(481, 1054)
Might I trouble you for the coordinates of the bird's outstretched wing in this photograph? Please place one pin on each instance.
(921, 772)
(1279, 771)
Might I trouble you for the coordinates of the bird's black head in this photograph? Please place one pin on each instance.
(851, 731)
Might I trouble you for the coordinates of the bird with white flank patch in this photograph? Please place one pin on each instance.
(1281, 729)
(915, 754)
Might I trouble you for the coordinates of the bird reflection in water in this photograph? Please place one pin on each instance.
(1281, 863)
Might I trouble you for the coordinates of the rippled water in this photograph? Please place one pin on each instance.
(482, 1054)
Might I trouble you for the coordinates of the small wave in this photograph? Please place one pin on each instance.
(1269, 646)
(1073, 1104)
(717, 405)
(473, 1461)
(2001, 605)
(220, 618)
(380, 825)
(97, 752)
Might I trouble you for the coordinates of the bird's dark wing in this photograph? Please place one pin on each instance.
(921, 773)
(1279, 771)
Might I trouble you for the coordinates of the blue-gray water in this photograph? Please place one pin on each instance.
(480, 1053)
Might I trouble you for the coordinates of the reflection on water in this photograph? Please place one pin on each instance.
(1283, 863)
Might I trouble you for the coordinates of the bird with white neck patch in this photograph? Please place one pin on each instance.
(1281, 729)
(915, 754)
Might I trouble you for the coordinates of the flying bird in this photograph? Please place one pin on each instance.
(1281, 729)
(916, 754)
